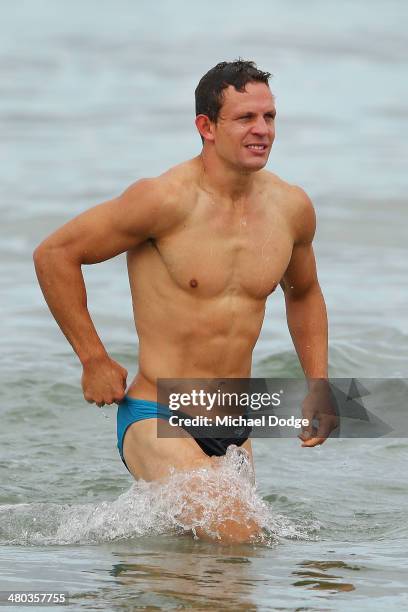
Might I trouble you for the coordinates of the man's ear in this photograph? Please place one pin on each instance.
(205, 127)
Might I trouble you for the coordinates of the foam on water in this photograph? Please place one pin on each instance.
(185, 502)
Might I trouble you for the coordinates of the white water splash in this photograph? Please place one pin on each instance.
(186, 502)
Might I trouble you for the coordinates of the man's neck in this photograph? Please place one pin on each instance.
(224, 180)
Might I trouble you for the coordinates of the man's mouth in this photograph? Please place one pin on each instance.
(257, 147)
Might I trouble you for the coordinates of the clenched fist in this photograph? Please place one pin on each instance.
(103, 381)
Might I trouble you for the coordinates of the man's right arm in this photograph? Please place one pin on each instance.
(94, 236)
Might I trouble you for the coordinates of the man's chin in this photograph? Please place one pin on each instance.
(254, 165)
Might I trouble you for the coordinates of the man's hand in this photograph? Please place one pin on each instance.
(103, 381)
(318, 405)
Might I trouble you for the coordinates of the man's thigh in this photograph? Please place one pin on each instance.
(150, 457)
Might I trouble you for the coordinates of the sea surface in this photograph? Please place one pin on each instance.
(94, 95)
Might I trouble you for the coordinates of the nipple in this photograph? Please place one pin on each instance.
(193, 283)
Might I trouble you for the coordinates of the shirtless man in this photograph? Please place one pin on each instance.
(207, 242)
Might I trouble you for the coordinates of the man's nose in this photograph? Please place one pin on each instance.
(260, 127)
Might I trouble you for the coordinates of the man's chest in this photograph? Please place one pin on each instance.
(244, 254)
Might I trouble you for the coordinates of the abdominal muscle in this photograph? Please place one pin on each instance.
(194, 338)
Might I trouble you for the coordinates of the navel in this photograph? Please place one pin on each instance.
(193, 283)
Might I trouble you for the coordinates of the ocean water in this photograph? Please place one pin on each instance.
(95, 95)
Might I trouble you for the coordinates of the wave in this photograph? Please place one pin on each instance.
(373, 352)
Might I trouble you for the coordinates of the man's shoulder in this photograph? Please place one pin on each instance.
(168, 187)
(180, 182)
(295, 193)
(163, 197)
(303, 215)
(296, 203)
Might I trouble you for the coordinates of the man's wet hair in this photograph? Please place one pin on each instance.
(210, 90)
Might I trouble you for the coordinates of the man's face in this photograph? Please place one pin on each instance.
(245, 129)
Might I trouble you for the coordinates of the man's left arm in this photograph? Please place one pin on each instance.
(307, 318)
